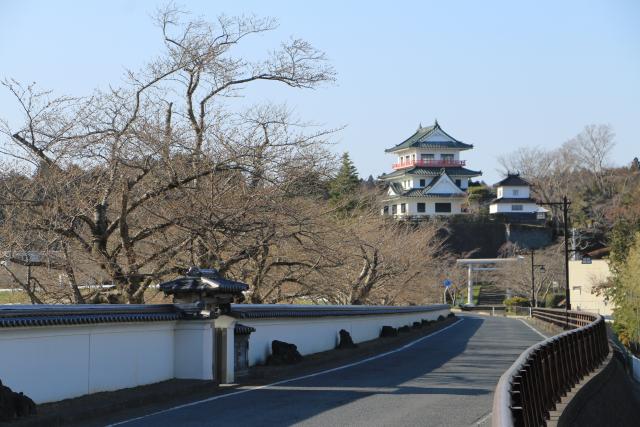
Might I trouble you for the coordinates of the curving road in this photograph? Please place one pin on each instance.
(444, 379)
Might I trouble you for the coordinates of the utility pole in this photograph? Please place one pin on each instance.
(533, 280)
(565, 214)
(565, 219)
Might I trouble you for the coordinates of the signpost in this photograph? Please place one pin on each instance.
(446, 284)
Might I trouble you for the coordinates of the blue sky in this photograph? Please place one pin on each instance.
(497, 74)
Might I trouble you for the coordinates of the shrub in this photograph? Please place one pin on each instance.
(517, 302)
(552, 300)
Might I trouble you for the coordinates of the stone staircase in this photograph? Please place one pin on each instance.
(490, 295)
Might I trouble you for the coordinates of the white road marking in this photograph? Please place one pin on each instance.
(303, 377)
(483, 419)
(534, 329)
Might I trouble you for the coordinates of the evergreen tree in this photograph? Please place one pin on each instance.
(626, 297)
(346, 183)
(370, 183)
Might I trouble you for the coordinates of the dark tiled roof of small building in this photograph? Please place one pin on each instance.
(203, 281)
(513, 200)
(239, 329)
(418, 140)
(513, 180)
(49, 315)
(432, 171)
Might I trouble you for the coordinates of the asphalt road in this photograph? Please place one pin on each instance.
(444, 379)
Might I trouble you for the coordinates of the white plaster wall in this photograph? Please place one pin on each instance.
(313, 335)
(51, 363)
(456, 206)
(506, 207)
(507, 191)
(430, 206)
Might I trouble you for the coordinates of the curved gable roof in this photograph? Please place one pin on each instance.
(420, 140)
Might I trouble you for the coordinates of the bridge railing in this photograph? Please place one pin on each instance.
(530, 389)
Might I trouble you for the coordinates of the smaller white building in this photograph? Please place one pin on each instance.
(584, 277)
(514, 199)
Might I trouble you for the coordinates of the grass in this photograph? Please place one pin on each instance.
(151, 296)
(15, 297)
(475, 291)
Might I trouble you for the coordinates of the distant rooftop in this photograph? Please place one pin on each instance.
(513, 180)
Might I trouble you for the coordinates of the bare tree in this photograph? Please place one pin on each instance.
(592, 150)
(110, 179)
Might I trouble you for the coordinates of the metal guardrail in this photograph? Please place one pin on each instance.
(530, 389)
(563, 318)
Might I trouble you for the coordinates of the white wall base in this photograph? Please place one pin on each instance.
(60, 362)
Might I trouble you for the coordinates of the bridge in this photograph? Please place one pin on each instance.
(462, 370)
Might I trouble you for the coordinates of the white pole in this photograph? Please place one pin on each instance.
(470, 287)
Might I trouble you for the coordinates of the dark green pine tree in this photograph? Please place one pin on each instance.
(344, 187)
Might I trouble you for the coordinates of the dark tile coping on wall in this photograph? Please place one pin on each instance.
(47, 315)
(264, 311)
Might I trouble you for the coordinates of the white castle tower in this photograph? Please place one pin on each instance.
(429, 178)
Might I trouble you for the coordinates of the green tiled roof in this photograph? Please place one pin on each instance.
(431, 171)
(418, 140)
(421, 192)
(424, 192)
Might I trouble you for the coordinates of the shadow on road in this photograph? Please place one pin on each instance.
(455, 370)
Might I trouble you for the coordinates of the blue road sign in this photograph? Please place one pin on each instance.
(447, 283)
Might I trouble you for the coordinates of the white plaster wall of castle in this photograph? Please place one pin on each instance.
(511, 192)
(51, 363)
(445, 186)
(511, 207)
(313, 335)
(411, 206)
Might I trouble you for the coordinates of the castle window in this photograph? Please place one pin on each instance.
(426, 156)
(394, 209)
(515, 192)
(421, 207)
(517, 207)
(423, 182)
(443, 207)
(458, 182)
(403, 208)
(446, 156)
(385, 210)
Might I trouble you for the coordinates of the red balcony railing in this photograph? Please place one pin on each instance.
(429, 163)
